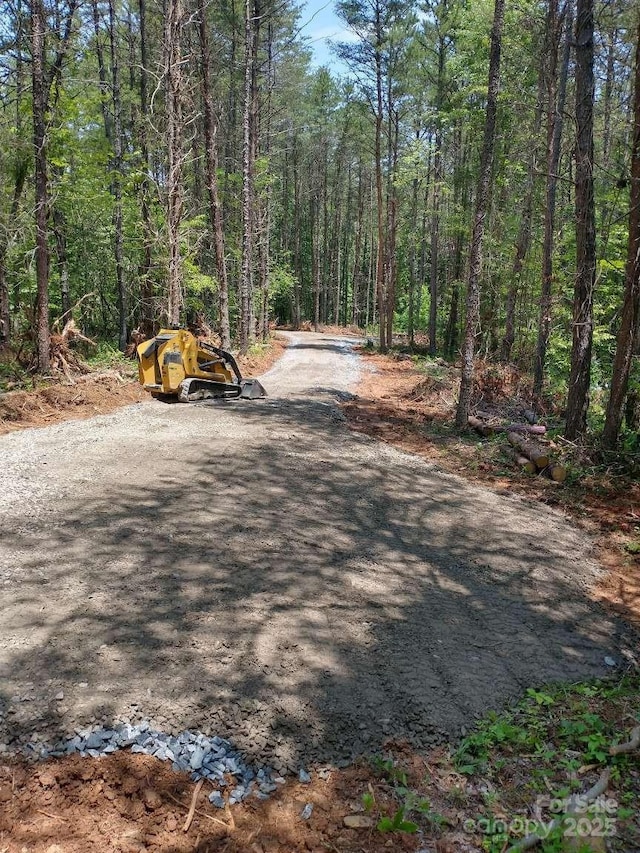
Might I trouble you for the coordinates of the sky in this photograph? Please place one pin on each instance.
(321, 24)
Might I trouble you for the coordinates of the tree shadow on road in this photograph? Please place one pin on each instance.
(309, 595)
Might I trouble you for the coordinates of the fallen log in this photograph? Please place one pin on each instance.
(529, 429)
(557, 472)
(488, 421)
(529, 449)
(480, 426)
(527, 465)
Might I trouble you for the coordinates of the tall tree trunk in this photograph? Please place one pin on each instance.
(630, 321)
(102, 73)
(59, 230)
(5, 308)
(413, 261)
(146, 318)
(608, 90)
(357, 253)
(580, 376)
(381, 261)
(435, 217)
(392, 224)
(369, 313)
(117, 183)
(297, 255)
(211, 161)
(315, 260)
(40, 99)
(246, 284)
(460, 193)
(265, 213)
(555, 115)
(21, 170)
(173, 69)
(481, 207)
(524, 233)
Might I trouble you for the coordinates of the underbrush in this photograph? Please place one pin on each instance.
(525, 771)
(12, 374)
(104, 356)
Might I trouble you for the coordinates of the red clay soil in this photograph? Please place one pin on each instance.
(402, 406)
(128, 803)
(91, 394)
(262, 358)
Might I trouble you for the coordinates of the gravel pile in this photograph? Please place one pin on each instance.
(212, 758)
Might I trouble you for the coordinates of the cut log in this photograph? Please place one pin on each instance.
(529, 449)
(480, 426)
(521, 461)
(484, 419)
(558, 473)
(530, 429)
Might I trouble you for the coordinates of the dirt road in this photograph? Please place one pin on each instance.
(254, 569)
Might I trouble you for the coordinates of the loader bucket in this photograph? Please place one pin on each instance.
(252, 389)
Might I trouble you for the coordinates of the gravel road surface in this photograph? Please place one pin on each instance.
(255, 570)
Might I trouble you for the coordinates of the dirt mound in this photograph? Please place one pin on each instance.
(128, 803)
(89, 395)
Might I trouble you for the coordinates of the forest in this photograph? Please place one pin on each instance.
(467, 176)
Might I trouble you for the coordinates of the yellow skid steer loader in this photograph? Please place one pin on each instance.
(176, 364)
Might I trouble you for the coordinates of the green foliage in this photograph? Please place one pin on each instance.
(397, 823)
(106, 356)
(282, 281)
(534, 724)
(368, 801)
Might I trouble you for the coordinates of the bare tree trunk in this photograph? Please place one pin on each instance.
(369, 314)
(381, 261)
(315, 260)
(392, 223)
(5, 310)
(555, 115)
(102, 74)
(608, 89)
(631, 306)
(59, 230)
(117, 183)
(147, 318)
(482, 205)
(413, 260)
(459, 191)
(40, 99)
(246, 284)
(357, 259)
(265, 225)
(580, 376)
(297, 287)
(435, 217)
(173, 70)
(524, 234)
(21, 169)
(211, 161)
